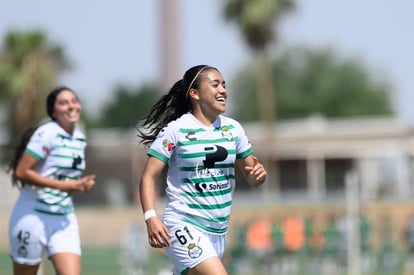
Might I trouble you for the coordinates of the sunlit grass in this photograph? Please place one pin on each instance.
(102, 261)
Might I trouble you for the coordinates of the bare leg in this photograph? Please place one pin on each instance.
(22, 269)
(66, 263)
(210, 266)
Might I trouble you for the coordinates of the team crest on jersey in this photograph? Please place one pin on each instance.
(168, 144)
(22, 252)
(194, 251)
(226, 133)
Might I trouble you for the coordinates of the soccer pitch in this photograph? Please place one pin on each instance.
(105, 260)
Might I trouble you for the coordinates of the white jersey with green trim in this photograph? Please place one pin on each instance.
(201, 173)
(60, 156)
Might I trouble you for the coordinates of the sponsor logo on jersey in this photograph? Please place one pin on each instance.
(208, 172)
(191, 136)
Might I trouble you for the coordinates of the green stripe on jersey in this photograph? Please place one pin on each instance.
(186, 131)
(54, 213)
(189, 130)
(58, 195)
(209, 179)
(206, 141)
(57, 175)
(209, 206)
(245, 153)
(62, 156)
(69, 147)
(33, 154)
(206, 228)
(59, 203)
(157, 155)
(70, 138)
(208, 194)
(68, 168)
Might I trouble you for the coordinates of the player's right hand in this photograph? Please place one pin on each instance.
(158, 234)
(83, 184)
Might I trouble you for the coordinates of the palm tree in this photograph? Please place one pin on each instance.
(29, 67)
(255, 20)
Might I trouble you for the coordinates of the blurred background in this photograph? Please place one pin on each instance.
(323, 89)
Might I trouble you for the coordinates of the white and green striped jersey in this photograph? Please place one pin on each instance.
(201, 174)
(60, 156)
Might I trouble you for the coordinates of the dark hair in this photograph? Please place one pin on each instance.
(172, 105)
(25, 138)
(51, 99)
(19, 150)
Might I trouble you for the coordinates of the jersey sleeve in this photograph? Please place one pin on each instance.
(243, 146)
(163, 146)
(39, 144)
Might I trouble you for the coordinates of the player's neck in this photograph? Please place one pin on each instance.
(203, 119)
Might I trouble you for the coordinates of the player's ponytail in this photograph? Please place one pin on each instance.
(18, 155)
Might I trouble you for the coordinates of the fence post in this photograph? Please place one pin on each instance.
(352, 215)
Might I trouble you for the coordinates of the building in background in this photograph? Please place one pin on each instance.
(310, 158)
(307, 160)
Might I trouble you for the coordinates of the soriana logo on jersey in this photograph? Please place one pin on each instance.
(168, 145)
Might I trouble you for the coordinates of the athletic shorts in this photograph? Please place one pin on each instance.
(30, 234)
(190, 246)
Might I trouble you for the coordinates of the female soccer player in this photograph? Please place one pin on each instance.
(200, 146)
(47, 167)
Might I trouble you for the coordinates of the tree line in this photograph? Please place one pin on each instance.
(295, 83)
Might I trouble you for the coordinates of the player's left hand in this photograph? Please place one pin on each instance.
(256, 172)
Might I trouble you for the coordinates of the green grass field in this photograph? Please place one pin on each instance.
(112, 261)
(103, 255)
(99, 261)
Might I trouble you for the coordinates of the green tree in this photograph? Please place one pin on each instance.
(29, 66)
(257, 21)
(317, 81)
(129, 106)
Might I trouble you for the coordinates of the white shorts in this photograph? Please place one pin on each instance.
(190, 246)
(32, 233)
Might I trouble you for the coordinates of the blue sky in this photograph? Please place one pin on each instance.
(112, 42)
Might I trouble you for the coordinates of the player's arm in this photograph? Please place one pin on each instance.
(253, 171)
(26, 173)
(158, 234)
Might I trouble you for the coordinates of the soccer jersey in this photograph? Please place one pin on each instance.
(60, 156)
(201, 174)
